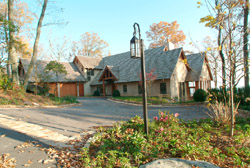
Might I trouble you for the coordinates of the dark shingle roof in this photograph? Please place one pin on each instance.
(196, 62)
(129, 69)
(73, 75)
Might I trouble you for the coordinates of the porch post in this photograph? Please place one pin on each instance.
(103, 88)
(77, 89)
(58, 90)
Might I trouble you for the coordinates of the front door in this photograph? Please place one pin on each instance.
(81, 89)
(182, 91)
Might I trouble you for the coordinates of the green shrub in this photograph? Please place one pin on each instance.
(200, 95)
(126, 145)
(5, 83)
(96, 93)
(69, 99)
(116, 93)
(63, 100)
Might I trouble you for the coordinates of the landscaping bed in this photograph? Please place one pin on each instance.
(126, 145)
(153, 100)
(18, 97)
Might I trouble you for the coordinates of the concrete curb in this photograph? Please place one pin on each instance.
(48, 106)
(171, 105)
(42, 134)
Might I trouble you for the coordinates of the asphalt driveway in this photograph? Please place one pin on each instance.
(47, 125)
(93, 112)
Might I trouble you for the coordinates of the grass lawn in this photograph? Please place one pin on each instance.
(125, 144)
(151, 100)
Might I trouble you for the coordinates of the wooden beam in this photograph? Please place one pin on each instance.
(103, 88)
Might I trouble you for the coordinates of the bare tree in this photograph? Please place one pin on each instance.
(228, 18)
(60, 51)
(213, 57)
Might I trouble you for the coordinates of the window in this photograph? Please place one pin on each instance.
(163, 88)
(89, 78)
(139, 89)
(89, 74)
(191, 84)
(192, 90)
(125, 89)
(92, 72)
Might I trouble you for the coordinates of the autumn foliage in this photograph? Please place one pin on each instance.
(90, 45)
(159, 33)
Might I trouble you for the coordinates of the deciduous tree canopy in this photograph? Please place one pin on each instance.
(159, 33)
(90, 45)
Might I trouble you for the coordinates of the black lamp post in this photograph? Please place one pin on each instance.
(137, 51)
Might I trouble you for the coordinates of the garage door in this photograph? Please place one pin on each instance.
(68, 89)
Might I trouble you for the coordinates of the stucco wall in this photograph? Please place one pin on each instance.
(154, 90)
(87, 88)
(179, 75)
(205, 73)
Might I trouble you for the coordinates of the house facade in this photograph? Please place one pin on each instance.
(71, 84)
(177, 76)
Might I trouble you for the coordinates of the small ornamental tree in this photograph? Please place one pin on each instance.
(150, 78)
(57, 68)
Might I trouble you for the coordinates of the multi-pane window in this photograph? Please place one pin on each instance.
(89, 74)
(125, 90)
(139, 89)
(192, 90)
(163, 88)
(92, 72)
(191, 86)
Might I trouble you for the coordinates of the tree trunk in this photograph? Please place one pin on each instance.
(222, 59)
(231, 73)
(245, 47)
(220, 45)
(215, 74)
(34, 55)
(5, 27)
(11, 50)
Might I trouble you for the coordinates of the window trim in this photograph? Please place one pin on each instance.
(161, 92)
(123, 87)
(139, 88)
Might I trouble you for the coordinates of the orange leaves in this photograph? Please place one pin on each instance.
(209, 20)
(160, 32)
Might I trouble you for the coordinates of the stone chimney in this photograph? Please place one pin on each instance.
(168, 45)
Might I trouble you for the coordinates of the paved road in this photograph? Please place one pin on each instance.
(93, 112)
(15, 144)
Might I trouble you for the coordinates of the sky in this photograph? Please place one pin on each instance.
(113, 20)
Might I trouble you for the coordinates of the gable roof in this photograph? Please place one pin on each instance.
(196, 62)
(128, 69)
(109, 69)
(73, 75)
(88, 62)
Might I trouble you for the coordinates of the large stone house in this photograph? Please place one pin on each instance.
(176, 75)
